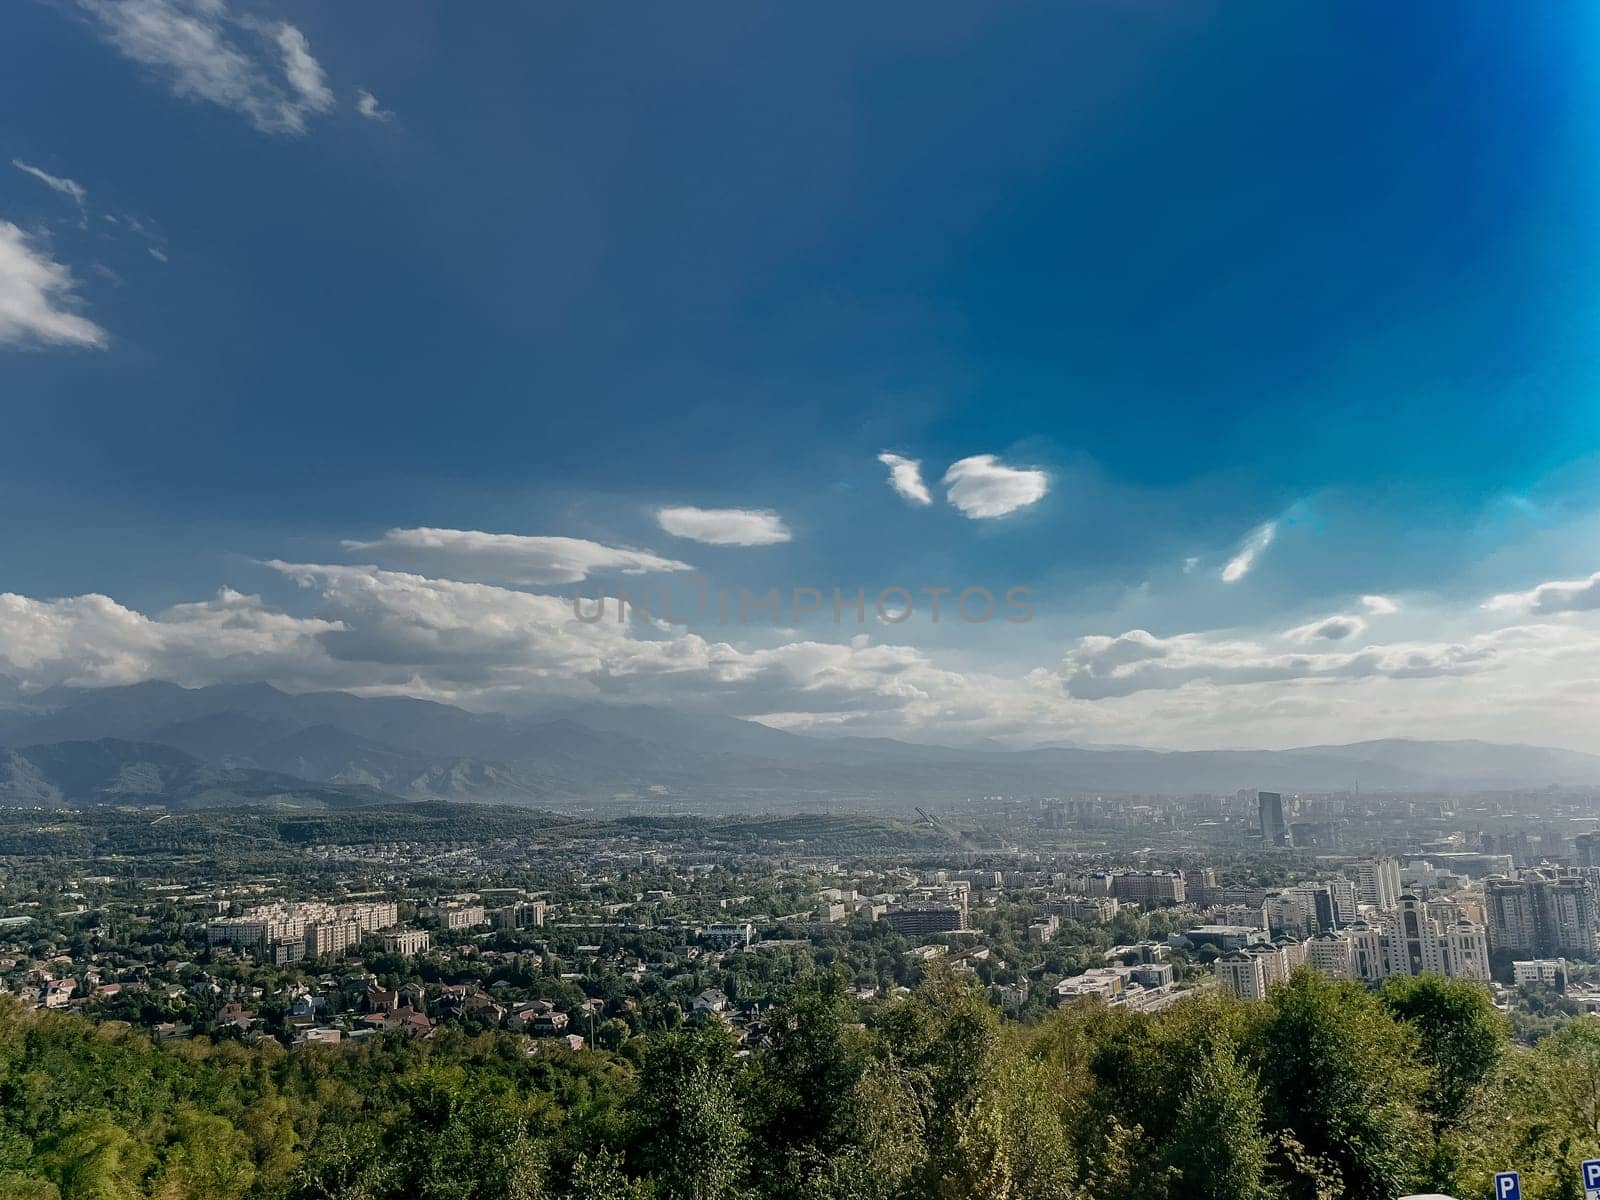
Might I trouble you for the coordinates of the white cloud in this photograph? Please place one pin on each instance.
(1240, 564)
(92, 641)
(37, 300)
(59, 183)
(304, 72)
(386, 632)
(724, 526)
(1190, 563)
(367, 105)
(905, 477)
(264, 72)
(508, 557)
(1102, 667)
(983, 487)
(1379, 606)
(1557, 596)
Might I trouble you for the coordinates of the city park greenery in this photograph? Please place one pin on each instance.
(1323, 1090)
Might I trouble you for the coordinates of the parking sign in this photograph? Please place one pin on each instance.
(1591, 1179)
(1507, 1186)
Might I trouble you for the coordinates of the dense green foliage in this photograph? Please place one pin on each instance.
(1322, 1091)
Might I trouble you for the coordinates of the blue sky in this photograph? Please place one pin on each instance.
(1196, 272)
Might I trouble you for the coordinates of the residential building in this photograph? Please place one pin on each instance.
(455, 917)
(1242, 975)
(406, 942)
(1332, 954)
(729, 936)
(1085, 910)
(1540, 972)
(330, 939)
(926, 919)
(1543, 915)
(1378, 883)
(1149, 887)
(1226, 937)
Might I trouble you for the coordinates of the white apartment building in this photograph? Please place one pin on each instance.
(1378, 883)
(1540, 972)
(406, 942)
(1332, 954)
(1242, 974)
(1409, 941)
(268, 924)
(1086, 910)
(456, 917)
(331, 938)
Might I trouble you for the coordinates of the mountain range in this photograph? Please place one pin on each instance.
(253, 743)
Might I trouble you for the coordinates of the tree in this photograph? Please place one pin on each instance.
(94, 1158)
(1462, 1037)
(1218, 1146)
(1345, 1081)
(945, 1037)
(599, 1176)
(687, 1125)
(1569, 1073)
(801, 1090)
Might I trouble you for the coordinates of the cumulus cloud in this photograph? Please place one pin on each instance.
(507, 557)
(983, 487)
(37, 299)
(480, 643)
(265, 72)
(367, 105)
(92, 641)
(1557, 596)
(1102, 667)
(377, 631)
(1254, 546)
(57, 183)
(1329, 629)
(382, 632)
(724, 526)
(1379, 606)
(905, 477)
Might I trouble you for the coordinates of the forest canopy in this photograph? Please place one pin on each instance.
(1323, 1090)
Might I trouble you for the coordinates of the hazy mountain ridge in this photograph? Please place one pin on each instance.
(256, 738)
(112, 771)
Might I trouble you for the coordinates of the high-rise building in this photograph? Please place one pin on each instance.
(925, 919)
(1587, 849)
(1149, 887)
(1509, 909)
(1332, 954)
(1569, 911)
(1543, 916)
(1241, 974)
(329, 939)
(1415, 944)
(1366, 942)
(1378, 883)
(1467, 951)
(1413, 940)
(1269, 808)
(1344, 900)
